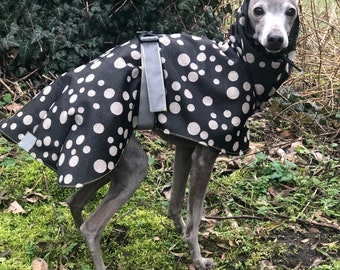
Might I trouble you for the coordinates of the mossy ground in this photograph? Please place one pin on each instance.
(141, 237)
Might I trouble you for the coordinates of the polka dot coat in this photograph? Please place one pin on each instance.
(80, 124)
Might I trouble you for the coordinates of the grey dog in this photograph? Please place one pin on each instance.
(82, 124)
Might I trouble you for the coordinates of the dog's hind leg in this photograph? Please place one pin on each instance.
(125, 179)
(80, 198)
(203, 159)
(180, 177)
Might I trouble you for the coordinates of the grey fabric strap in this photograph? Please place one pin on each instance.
(152, 96)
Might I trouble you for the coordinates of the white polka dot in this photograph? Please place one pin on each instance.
(245, 107)
(56, 143)
(47, 123)
(228, 138)
(246, 86)
(188, 94)
(216, 81)
(250, 58)
(96, 64)
(78, 69)
(235, 121)
(227, 114)
(27, 120)
(86, 149)
(78, 119)
(116, 108)
(212, 58)
(135, 73)
(98, 128)
(113, 151)
(100, 166)
(68, 179)
(73, 98)
(231, 62)
(126, 96)
(47, 90)
(176, 86)
(183, 59)
(80, 139)
(80, 80)
(194, 128)
(262, 64)
(259, 88)
(276, 65)
(96, 106)
(162, 118)
(207, 101)
(119, 63)
(61, 159)
(73, 161)
(135, 55)
(180, 42)
(201, 72)
(193, 66)
(101, 83)
(109, 93)
(193, 76)
(236, 146)
(47, 140)
(91, 93)
(218, 68)
(233, 92)
(213, 124)
(233, 76)
(174, 107)
(120, 131)
(204, 135)
(165, 40)
(191, 107)
(90, 78)
(42, 99)
(201, 57)
(202, 48)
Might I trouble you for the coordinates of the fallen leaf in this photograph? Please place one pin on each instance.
(39, 264)
(14, 107)
(166, 191)
(179, 255)
(191, 267)
(15, 208)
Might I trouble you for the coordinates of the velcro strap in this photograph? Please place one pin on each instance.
(153, 95)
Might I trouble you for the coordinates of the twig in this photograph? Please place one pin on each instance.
(300, 220)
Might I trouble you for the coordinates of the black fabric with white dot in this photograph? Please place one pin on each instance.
(83, 120)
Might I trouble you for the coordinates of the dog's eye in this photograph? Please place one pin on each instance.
(291, 12)
(258, 11)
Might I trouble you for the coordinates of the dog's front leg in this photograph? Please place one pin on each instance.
(203, 160)
(181, 173)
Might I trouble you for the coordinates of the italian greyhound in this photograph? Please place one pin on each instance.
(244, 71)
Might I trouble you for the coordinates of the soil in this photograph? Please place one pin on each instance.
(304, 249)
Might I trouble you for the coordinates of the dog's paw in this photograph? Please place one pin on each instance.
(203, 264)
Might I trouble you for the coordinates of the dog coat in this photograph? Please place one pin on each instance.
(80, 124)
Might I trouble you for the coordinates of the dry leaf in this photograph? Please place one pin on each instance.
(39, 264)
(166, 191)
(14, 107)
(15, 208)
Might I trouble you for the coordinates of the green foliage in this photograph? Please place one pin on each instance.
(58, 35)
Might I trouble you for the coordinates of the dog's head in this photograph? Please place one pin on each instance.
(273, 23)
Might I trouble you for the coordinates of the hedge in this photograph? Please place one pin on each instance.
(58, 35)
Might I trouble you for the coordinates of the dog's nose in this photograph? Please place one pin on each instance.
(275, 41)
